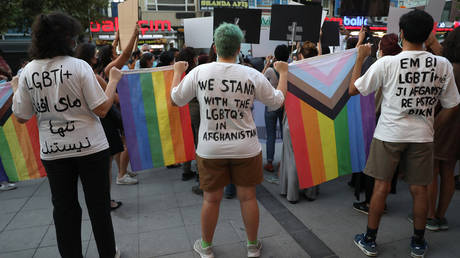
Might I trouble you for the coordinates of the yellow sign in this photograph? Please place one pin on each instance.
(210, 4)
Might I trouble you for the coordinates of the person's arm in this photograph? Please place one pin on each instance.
(318, 46)
(125, 54)
(268, 61)
(363, 52)
(282, 69)
(361, 36)
(434, 44)
(183, 90)
(103, 109)
(444, 117)
(116, 41)
(22, 103)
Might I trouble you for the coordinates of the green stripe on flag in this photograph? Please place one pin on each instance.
(151, 118)
(342, 142)
(7, 158)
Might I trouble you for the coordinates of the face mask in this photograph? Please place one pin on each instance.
(400, 41)
(378, 54)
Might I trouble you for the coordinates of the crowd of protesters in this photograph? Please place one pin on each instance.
(420, 149)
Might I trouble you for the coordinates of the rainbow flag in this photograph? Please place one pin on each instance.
(19, 144)
(157, 133)
(331, 132)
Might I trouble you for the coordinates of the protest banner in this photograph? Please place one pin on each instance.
(127, 17)
(19, 143)
(198, 32)
(157, 133)
(326, 147)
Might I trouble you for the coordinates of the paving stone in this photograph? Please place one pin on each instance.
(19, 254)
(160, 220)
(21, 239)
(163, 242)
(31, 218)
(12, 205)
(5, 218)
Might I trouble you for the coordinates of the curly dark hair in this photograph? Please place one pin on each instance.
(416, 26)
(53, 35)
(104, 57)
(166, 58)
(451, 45)
(86, 52)
(146, 57)
(188, 55)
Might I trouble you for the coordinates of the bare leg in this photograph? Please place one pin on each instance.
(377, 205)
(420, 197)
(433, 191)
(124, 160)
(447, 187)
(249, 210)
(210, 214)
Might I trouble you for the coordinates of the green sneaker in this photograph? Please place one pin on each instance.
(203, 252)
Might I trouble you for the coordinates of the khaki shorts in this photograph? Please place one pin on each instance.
(215, 174)
(415, 160)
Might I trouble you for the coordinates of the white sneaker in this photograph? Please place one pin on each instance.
(118, 253)
(203, 252)
(7, 186)
(254, 250)
(126, 180)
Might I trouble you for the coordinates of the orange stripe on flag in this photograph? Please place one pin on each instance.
(174, 120)
(313, 137)
(27, 150)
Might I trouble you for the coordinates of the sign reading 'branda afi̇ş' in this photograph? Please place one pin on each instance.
(144, 25)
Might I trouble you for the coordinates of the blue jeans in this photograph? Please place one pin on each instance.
(272, 118)
(230, 189)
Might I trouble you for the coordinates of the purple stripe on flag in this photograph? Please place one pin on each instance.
(128, 122)
(368, 118)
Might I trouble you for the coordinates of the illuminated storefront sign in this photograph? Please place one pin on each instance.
(112, 26)
(354, 21)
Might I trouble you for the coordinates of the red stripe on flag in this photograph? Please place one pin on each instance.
(32, 129)
(299, 142)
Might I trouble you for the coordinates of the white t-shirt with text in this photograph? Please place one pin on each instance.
(226, 93)
(62, 92)
(412, 83)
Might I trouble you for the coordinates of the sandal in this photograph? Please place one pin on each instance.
(112, 208)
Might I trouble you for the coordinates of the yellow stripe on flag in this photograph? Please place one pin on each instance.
(16, 151)
(163, 118)
(327, 132)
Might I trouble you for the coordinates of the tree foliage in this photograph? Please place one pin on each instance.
(21, 13)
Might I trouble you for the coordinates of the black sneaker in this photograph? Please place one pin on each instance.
(418, 250)
(361, 207)
(368, 248)
(187, 176)
(196, 190)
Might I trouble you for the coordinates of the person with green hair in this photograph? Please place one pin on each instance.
(228, 148)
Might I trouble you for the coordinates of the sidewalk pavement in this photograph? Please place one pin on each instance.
(160, 217)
